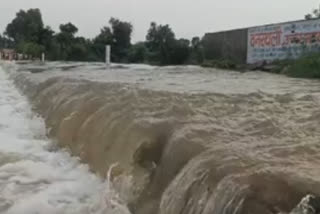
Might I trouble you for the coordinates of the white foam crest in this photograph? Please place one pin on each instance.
(34, 179)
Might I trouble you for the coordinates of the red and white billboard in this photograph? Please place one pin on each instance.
(280, 41)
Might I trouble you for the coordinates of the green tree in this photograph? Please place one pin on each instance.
(32, 49)
(48, 40)
(164, 48)
(160, 40)
(138, 53)
(180, 52)
(121, 39)
(99, 43)
(314, 15)
(45, 36)
(6, 42)
(68, 29)
(65, 39)
(196, 51)
(26, 26)
(79, 50)
(195, 42)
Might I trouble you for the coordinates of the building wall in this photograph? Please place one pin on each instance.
(282, 41)
(264, 43)
(230, 45)
(7, 54)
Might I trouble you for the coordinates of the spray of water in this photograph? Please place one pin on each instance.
(35, 177)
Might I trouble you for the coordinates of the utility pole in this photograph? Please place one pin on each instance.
(108, 56)
(43, 57)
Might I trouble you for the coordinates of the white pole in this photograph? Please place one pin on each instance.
(43, 57)
(108, 56)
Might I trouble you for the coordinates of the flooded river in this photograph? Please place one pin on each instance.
(185, 140)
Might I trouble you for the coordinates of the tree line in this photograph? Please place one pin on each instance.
(28, 34)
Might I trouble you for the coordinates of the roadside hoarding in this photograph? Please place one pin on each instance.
(281, 41)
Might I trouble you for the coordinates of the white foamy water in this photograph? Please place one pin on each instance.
(35, 178)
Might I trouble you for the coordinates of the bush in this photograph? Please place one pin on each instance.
(305, 67)
(33, 49)
(222, 64)
(279, 66)
(137, 53)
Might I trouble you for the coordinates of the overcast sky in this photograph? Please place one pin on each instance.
(188, 18)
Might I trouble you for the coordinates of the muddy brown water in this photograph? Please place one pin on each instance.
(192, 140)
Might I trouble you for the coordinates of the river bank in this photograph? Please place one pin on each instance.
(305, 67)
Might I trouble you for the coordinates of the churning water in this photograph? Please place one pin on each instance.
(37, 178)
(190, 140)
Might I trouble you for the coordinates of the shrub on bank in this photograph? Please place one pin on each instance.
(279, 66)
(306, 67)
(222, 64)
